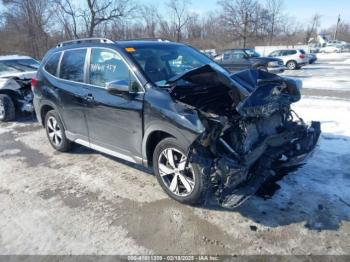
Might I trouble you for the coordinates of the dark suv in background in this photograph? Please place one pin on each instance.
(169, 107)
(246, 58)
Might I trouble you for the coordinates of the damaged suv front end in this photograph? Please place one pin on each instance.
(250, 129)
(235, 130)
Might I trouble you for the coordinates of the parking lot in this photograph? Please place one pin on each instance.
(85, 202)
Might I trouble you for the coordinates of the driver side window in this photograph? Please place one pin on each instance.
(107, 66)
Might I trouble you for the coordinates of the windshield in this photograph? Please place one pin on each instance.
(252, 53)
(163, 62)
(18, 66)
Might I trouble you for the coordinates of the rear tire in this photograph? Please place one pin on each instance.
(292, 65)
(55, 132)
(7, 108)
(185, 184)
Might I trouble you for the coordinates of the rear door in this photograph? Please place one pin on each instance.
(71, 91)
(114, 121)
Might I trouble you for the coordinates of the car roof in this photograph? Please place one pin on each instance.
(243, 49)
(101, 42)
(105, 43)
(140, 43)
(14, 57)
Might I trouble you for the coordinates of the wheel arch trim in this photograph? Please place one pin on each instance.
(45, 103)
(184, 139)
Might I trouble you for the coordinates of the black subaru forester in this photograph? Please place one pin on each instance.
(169, 107)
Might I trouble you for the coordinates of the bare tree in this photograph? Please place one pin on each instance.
(274, 9)
(194, 28)
(68, 15)
(30, 19)
(165, 28)
(180, 16)
(149, 14)
(238, 17)
(102, 11)
(91, 14)
(312, 27)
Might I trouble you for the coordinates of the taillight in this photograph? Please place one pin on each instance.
(302, 56)
(34, 82)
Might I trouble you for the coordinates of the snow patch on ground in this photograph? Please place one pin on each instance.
(346, 62)
(327, 83)
(333, 114)
(332, 56)
(330, 72)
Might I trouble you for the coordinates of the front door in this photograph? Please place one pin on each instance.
(114, 120)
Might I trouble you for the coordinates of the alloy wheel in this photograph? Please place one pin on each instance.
(54, 131)
(291, 65)
(176, 174)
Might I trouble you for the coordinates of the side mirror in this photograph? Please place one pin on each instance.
(118, 87)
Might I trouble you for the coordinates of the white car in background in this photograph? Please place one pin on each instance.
(16, 95)
(292, 58)
(331, 49)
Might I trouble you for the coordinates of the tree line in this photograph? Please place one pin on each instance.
(31, 27)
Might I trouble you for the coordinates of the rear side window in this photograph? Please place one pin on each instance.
(302, 51)
(289, 52)
(72, 65)
(52, 64)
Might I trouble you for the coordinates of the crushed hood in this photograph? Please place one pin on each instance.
(268, 92)
(253, 93)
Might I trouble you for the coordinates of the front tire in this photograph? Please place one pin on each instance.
(7, 108)
(56, 133)
(182, 181)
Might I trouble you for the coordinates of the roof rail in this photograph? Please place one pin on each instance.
(148, 39)
(85, 40)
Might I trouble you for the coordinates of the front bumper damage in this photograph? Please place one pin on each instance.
(234, 178)
(250, 130)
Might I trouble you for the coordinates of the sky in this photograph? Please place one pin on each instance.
(302, 10)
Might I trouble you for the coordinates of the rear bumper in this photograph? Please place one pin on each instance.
(288, 149)
(36, 105)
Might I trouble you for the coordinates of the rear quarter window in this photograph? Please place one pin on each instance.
(72, 65)
(52, 64)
